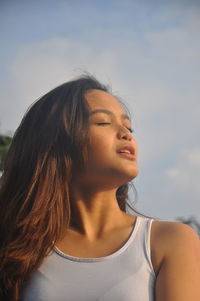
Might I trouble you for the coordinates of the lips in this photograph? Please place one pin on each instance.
(127, 147)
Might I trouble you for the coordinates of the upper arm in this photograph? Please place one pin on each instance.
(179, 276)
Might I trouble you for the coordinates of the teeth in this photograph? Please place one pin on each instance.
(125, 151)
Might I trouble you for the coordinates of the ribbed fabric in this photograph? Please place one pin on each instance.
(125, 275)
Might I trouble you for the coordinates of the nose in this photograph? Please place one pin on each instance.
(124, 133)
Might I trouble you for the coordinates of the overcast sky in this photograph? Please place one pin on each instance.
(148, 51)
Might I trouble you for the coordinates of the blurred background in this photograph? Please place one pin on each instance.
(147, 51)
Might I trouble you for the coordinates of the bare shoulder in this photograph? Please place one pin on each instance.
(176, 258)
(160, 230)
(167, 234)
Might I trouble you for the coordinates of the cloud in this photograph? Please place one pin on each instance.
(43, 65)
(186, 174)
(39, 67)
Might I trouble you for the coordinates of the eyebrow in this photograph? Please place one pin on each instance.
(124, 116)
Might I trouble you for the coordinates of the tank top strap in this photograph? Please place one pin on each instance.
(143, 239)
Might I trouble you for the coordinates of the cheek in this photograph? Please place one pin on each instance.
(100, 148)
(99, 140)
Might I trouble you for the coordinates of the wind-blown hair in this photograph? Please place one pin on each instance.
(35, 186)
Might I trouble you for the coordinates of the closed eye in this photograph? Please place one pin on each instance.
(102, 123)
(105, 123)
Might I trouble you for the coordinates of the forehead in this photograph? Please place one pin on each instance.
(98, 99)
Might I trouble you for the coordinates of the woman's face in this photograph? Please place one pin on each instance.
(109, 135)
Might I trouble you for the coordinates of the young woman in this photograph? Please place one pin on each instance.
(65, 234)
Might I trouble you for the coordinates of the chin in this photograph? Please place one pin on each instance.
(128, 177)
(132, 176)
(132, 173)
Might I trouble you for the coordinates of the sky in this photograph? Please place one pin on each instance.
(147, 51)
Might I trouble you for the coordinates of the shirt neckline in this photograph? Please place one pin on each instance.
(107, 257)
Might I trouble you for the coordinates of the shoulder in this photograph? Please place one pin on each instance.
(176, 255)
(168, 235)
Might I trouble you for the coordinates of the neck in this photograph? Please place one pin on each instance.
(95, 212)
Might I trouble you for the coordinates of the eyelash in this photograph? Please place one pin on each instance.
(101, 123)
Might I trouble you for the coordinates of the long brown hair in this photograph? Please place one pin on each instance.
(34, 188)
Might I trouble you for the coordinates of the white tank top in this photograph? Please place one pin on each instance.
(125, 275)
